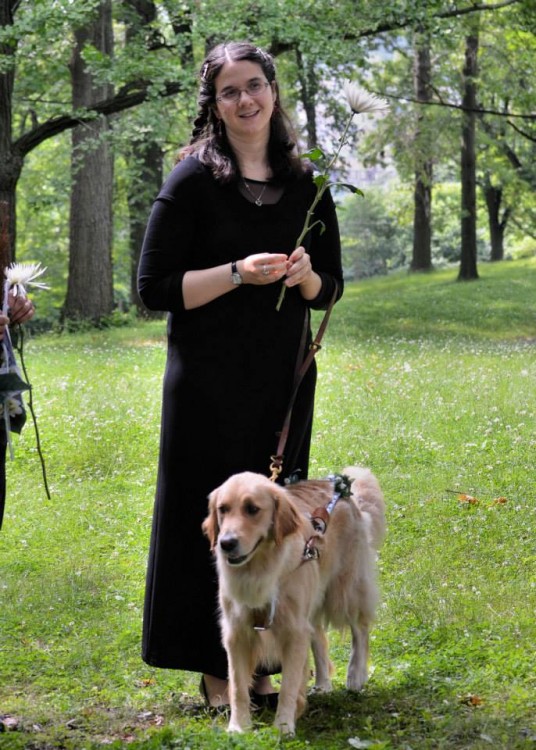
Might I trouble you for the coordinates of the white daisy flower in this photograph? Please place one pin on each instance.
(361, 101)
(14, 407)
(20, 275)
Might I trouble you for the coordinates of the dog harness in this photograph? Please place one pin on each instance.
(320, 516)
(263, 618)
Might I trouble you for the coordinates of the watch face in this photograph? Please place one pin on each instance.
(237, 279)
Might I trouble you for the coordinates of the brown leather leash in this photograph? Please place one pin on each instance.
(276, 465)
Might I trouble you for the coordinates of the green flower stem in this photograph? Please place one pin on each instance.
(20, 348)
(322, 184)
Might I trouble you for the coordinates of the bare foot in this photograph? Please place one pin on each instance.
(214, 691)
(262, 685)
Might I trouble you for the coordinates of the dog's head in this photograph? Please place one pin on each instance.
(245, 511)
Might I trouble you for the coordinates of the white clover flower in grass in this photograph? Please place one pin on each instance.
(361, 101)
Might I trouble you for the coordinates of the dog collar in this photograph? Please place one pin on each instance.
(263, 618)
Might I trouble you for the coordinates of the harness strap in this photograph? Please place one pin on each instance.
(263, 618)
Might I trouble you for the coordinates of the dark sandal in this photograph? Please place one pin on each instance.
(264, 700)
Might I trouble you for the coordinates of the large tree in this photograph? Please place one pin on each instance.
(90, 280)
(468, 261)
(422, 215)
(35, 43)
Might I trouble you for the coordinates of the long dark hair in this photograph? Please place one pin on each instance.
(209, 141)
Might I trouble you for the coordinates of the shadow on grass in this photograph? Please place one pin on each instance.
(410, 716)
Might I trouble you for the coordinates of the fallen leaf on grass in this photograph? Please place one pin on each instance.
(145, 716)
(146, 682)
(8, 723)
(471, 700)
(463, 498)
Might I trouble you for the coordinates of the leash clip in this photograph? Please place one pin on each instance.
(310, 552)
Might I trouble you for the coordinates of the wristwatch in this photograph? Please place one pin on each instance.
(235, 276)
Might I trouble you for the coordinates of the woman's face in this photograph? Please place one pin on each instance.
(246, 113)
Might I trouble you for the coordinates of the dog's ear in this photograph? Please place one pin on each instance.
(210, 524)
(286, 517)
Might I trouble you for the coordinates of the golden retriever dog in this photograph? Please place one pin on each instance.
(282, 581)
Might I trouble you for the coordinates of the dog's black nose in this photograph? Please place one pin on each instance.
(228, 543)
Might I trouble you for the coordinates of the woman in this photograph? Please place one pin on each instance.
(219, 245)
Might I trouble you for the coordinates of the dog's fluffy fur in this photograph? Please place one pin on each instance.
(258, 531)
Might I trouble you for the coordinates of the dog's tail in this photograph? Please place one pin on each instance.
(367, 495)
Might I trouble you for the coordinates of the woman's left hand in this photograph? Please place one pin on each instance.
(299, 268)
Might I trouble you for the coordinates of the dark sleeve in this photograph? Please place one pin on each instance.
(167, 248)
(325, 252)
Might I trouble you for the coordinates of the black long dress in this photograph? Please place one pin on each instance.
(227, 383)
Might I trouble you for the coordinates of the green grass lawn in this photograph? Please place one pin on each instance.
(430, 383)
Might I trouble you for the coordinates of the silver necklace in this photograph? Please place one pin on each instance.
(256, 198)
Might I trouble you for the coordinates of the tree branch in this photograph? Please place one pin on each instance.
(526, 135)
(118, 103)
(277, 48)
(450, 105)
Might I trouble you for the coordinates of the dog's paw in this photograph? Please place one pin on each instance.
(356, 682)
(322, 686)
(286, 727)
(236, 728)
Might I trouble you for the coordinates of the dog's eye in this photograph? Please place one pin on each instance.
(251, 509)
(223, 509)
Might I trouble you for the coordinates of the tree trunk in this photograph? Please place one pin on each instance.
(422, 195)
(497, 226)
(145, 157)
(308, 86)
(468, 262)
(141, 193)
(10, 159)
(90, 282)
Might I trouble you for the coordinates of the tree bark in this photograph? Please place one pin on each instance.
(145, 158)
(10, 159)
(497, 225)
(422, 194)
(148, 158)
(468, 262)
(308, 87)
(90, 281)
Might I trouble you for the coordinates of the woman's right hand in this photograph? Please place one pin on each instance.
(4, 322)
(21, 309)
(203, 286)
(263, 268)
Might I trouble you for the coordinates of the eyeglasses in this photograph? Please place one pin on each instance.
(253, 89)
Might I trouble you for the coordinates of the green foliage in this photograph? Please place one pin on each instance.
(427, 381)
(333, 41)
(374, 237)
(43, 220)
(377, 232)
